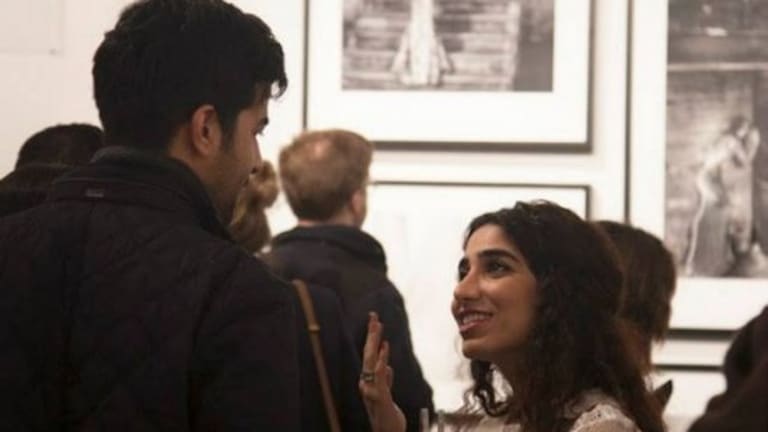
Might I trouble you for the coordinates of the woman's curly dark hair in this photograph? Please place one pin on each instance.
(577, 343)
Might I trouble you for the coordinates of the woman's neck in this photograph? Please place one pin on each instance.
(512, 369)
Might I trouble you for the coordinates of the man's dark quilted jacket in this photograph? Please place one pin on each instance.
(124, 307)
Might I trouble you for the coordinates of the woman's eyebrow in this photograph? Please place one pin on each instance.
(496, 253)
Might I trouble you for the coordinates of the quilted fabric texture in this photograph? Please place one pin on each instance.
(124, 306)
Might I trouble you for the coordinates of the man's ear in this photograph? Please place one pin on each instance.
(205, 131)
(359, 206)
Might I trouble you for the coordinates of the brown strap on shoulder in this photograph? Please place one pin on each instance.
(317, 351)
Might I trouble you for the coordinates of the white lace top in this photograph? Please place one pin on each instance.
(593, 412)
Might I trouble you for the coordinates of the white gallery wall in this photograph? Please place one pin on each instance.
(47, 81)
(43, 85)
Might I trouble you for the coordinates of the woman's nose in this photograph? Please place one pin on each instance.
(466, 288)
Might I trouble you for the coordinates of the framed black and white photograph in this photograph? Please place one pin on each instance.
(452, 73)
(699, 155)
(421, 227)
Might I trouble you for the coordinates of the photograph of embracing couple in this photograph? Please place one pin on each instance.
(717, 160)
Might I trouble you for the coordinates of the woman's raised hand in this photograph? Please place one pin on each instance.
(376, 382)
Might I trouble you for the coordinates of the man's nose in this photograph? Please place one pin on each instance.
(256, 154)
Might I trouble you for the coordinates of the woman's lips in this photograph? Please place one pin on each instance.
(470, 320)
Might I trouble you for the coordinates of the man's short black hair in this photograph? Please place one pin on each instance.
(166, 58)
(70, 144)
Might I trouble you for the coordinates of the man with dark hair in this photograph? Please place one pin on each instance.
(124, 305)
(44, 157)
(324, 175)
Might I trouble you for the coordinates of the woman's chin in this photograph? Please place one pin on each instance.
(474, 350)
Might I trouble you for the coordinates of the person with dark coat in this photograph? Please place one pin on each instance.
(324, 175)
(250, 228)
(44, 157)
(743, 407)
(124, 304)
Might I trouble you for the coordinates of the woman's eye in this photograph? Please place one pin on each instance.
(495, 267)
(463, 270)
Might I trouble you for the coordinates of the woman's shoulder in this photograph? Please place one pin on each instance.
(593, 411)
(494, 424)
(596, 412)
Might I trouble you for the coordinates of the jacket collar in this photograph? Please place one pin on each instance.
(142, 178)
(354, 240)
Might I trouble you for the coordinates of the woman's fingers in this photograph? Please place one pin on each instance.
(383, 357)
(376, 381)
(383, 371)
(376, 375)
(372, 343)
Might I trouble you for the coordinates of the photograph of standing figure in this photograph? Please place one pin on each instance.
(488, 45)
(717, 114)
(398, 59)
(722, 231)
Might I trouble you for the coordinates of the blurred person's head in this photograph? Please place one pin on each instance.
(324, 175)
(249, 226)
(649, 283)
(44, 157)
(537, 300)
(68, 144)
(739, 126)
(190, 79)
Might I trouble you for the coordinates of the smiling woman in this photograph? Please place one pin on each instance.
(550, 287)
(495, 297)
(536, 302)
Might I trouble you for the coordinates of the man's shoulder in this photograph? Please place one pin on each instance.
(232, 260)
(191, 247)
(323, 298)
(346, 260)
(252, 275)
(230, 273)
(32, 225)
